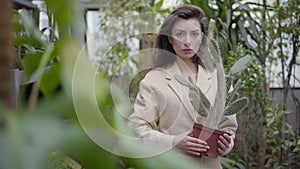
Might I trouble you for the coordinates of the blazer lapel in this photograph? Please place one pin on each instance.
(182, 92)
(204, 80)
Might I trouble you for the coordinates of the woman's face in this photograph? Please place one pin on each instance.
(186, 38)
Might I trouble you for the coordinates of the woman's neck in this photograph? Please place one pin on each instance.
(192, 65)
(189, 67)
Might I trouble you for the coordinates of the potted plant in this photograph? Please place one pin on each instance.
(227, 101)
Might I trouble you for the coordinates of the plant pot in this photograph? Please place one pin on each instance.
(211, 136)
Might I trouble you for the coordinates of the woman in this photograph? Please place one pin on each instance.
(162, 110)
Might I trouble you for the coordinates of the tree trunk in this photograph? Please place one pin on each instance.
(261, 158)
(262, 153)
(6, 54)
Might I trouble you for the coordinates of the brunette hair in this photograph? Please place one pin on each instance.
(164, 54)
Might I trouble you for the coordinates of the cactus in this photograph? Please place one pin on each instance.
(226, 102)
(236, 106)
(240, 65)
(197, 98)
(233, 95)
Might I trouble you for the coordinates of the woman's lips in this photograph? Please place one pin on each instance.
(187, 50)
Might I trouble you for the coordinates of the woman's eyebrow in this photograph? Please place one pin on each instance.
(179, 30)
(185, 30)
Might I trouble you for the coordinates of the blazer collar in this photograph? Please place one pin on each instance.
(204, 77)
(182, 92)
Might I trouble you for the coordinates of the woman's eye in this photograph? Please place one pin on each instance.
(195, 34)
(179, 34)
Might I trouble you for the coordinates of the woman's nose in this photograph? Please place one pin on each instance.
(187, 40)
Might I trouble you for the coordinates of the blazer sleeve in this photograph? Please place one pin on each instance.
(145, 116)
(229, 123)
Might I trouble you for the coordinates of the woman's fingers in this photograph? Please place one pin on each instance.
(197, 143)
(192, 146)
(196, 146)
(223, 142)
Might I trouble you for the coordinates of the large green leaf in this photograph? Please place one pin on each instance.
(29, 139)
(28, 40)
(31, 62)
(50, 80)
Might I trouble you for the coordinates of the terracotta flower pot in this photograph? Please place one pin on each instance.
(211, 136)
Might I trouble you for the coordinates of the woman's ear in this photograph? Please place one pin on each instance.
(170, 39)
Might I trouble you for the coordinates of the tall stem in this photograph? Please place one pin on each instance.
(284, 81)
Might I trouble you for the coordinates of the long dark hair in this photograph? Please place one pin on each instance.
(164, 54)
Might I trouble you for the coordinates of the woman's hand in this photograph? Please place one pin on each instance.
(224, 142)
(190, 145)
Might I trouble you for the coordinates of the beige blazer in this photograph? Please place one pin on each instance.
(163, 110)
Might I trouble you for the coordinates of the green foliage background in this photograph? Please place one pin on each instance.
(45, 133)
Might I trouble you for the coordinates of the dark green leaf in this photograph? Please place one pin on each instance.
(31, 62)
(157, 6)
(50, 80)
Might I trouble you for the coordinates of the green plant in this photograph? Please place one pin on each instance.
(238, 26)
(227, 102)
(279, 132)
(250, 121)
(36, 55)
(50, 134)
(63, 162)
